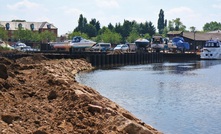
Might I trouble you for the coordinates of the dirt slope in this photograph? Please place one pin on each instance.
(41, 96)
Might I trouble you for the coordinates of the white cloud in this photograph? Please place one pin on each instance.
(24, 5)
(107, 3)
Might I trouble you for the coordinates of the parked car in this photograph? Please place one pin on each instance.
(101, 47)
(27, 49)
(122, 47)
(18, 45)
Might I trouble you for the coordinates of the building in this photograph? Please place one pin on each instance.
(12, 26)
(195, 39)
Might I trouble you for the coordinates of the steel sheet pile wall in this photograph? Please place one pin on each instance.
(102, 60)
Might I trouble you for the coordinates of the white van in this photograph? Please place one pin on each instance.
(101, 47)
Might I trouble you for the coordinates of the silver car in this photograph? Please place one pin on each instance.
(122, 47)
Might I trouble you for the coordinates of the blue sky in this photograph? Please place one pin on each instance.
(64, 14)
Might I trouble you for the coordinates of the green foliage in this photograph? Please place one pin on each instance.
(81, 23)
(90, 30)
(126, 28)
(27, 36)
(134, 35)
(71, 35)
(23, 35)
(160, 23)
(165, 31)
(170, 26)
(109, 36)
(147, 36)
(110, 26)
(47, 36)
(3, 34)
(96, 24)
(36, 37)
(192, 28)
(176, 25)
(212, 26)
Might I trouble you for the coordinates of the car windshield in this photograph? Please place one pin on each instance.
(105, 45)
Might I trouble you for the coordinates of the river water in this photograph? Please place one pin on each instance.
(173, 97)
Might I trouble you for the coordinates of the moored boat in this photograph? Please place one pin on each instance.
(211, 50)
(61, 45)
(141, 43)
(79, 42)
(157, 43)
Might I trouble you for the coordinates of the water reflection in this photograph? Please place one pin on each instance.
(173, 97)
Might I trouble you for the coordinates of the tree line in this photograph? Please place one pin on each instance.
(128, 31)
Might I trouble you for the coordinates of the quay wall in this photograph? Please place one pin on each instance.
(105, 60)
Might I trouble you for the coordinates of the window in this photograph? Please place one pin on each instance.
(19, 25)
(32, 27)
(7, 25)
(49, 26)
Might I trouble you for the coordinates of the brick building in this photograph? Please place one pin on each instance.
(12, 26)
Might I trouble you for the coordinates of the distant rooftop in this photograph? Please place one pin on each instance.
(14, 25)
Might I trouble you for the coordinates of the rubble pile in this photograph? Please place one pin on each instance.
(41, 96)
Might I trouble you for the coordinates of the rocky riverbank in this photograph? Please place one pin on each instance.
(41, 96)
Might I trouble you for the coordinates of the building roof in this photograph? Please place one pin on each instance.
(174, 32)
(27, 25)
(216, 31)
(201, 36)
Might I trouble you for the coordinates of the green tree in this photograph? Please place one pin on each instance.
(118, 28)
(81, 24)
(165, 23)
(3, 34)
(90, 30)
(165, 31)
(110, 26)
(23, 35)
(96, 24)
(126, 28)
(71, 35)
(160, 23)
(176, 25)
(171, 26)
(192, 28)
(47, 36)
(109, 36)
(151, 30)
(36, 37)
(179, 25)
(212, 26)
(146, 36)
(133, 35)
